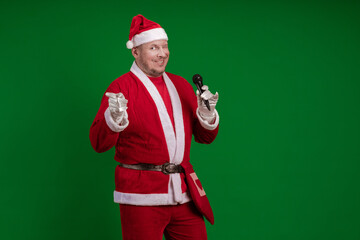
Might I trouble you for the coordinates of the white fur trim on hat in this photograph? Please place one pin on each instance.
(147, 36)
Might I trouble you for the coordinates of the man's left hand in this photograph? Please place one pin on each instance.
(204, 112)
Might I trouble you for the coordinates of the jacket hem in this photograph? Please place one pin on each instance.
(149, 199)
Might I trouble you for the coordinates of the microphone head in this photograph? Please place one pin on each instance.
(197, 78)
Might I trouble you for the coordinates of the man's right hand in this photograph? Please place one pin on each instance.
(117, 106)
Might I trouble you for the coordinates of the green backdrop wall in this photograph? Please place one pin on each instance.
(285, 164)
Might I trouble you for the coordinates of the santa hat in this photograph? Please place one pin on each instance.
(143, 30)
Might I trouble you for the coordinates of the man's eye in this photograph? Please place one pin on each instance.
(153, 48)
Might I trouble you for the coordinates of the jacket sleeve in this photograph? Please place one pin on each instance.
(204, 132)
(102, 137)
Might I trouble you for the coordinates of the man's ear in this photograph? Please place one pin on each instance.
(135, 52)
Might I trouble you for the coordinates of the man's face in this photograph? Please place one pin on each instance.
(152, 57)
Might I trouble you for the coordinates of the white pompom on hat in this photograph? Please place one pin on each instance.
(143, 30)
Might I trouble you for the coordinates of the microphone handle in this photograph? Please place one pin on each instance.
(207, 104)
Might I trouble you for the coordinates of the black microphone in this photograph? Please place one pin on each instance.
(197, 79)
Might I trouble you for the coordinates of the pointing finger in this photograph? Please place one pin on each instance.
(114, 95)
(110, 95)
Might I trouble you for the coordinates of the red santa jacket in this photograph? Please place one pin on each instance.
(151, 137)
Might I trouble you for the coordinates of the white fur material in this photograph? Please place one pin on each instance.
(175, 180)
(148, 199)
(205, 123)
(178, 120)
(112, 124)
(175, 142)
(129, 44)
(147, 36)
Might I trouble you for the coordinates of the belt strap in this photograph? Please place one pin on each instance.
(166, 168)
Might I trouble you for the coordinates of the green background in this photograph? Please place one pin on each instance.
(285, 164)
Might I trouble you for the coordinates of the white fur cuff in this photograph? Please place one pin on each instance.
(112, 124)
(205, 123)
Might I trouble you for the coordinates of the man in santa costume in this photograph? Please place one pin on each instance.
(150, 115)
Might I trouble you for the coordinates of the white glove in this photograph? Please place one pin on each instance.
(117, 107)
(204, 112)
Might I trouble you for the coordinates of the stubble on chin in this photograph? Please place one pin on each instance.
(148, 70)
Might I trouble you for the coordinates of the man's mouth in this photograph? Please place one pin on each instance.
(160, 62)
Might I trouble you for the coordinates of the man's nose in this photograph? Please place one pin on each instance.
(161, 53)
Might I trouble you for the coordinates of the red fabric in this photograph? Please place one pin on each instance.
(140, 24)
(178, 222)
(143, 141)
(197, 193)
(161, 87)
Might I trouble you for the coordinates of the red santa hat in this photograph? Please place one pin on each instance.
(143, 30)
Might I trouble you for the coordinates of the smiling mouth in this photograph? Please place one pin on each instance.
(160, 62)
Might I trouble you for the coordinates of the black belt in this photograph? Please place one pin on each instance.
(166, 168)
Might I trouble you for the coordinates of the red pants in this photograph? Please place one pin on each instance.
(178, 222)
